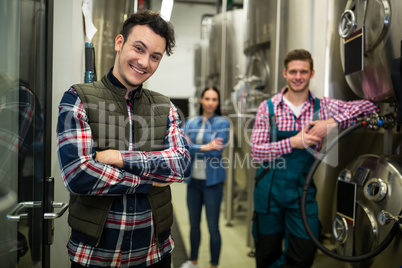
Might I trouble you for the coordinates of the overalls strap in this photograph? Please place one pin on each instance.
(317, 106)
(272, 117)
(272, 122)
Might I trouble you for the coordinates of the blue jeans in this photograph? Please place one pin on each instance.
(197, 195)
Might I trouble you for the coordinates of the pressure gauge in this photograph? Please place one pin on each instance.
(384, 217)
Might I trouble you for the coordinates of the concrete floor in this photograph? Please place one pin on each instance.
(234, 253)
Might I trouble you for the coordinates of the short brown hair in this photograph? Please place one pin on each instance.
(156, 23)
(299, 54)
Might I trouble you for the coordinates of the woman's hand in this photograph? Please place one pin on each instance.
(216, 144)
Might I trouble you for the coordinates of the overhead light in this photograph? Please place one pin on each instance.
(166, 9)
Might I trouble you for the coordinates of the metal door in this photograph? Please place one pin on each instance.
(26, 188)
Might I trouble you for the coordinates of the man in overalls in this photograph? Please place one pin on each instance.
(289, 128)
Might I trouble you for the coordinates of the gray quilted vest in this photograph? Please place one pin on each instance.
(106, 108)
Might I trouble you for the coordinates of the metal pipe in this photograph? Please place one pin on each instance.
(229, 180)
(229, 185)
(277, 38)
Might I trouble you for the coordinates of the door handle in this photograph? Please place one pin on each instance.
(19, 211)
(51, 216)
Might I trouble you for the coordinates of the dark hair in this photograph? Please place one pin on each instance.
(214, 88)
(299, 54)
(155, 22)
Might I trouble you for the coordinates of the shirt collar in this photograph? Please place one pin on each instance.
(311, 97)
(117, 83)
(208, 119)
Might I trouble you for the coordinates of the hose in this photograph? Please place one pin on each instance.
(387, 240)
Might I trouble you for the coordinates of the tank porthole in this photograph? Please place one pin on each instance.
(375, 189)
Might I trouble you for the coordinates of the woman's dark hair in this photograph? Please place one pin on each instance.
(214, 88)
(155, 22)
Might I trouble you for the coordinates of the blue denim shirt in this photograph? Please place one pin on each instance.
(215, 126)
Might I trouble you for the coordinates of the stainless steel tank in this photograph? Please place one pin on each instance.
(369, 190)
(254, 85)
(259, 43)
(226, 63)
(371, 38)
(203, 58)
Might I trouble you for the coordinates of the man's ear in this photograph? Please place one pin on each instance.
(118, 42)
(312, 73)
(284, 73)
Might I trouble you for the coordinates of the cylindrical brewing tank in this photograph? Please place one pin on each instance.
(259, 17)
(379, 42)
(378, 182)
(249, 29)
(235, 60)
(207, 23)
(259, 42)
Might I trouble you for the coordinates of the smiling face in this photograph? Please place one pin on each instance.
(298, 74)
(209, 102)
(138, 57)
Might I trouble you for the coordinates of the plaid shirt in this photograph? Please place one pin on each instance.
(128, 238)
(343, 112)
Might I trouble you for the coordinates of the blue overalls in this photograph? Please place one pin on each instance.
(277, 216)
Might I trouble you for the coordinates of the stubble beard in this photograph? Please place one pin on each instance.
(126, 81)
(303, 89)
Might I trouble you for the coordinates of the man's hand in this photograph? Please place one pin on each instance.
(161, 184)
(304, 139)
(216, 144)
(110, 157)
(321, 128)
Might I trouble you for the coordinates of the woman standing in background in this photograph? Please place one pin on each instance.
(207, 135)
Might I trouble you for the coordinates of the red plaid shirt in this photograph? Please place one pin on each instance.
(343, 112)
(128, 237)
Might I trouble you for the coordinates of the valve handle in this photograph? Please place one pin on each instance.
(347, 24)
